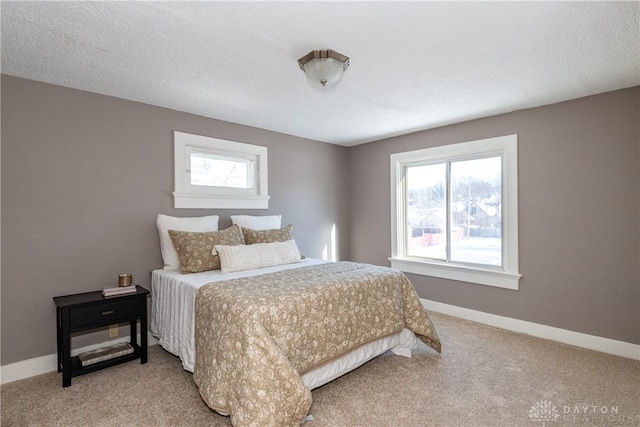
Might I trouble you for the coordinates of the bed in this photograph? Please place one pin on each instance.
(260, 326)
(250, 363)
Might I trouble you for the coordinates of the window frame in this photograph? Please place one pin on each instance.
(507, 276)
(190, 196)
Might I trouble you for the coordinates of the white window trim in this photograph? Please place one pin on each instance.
(506, 277)
(193, 197)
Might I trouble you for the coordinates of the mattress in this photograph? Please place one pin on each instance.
(173, 324)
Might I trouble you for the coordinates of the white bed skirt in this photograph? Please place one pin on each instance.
(173, 298)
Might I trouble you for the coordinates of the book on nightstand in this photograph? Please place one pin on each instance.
(119, 290)
(105, 353)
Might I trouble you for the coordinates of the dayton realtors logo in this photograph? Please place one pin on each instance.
(543, 411)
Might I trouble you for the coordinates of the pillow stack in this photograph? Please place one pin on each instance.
(166, 223)
(193, 245)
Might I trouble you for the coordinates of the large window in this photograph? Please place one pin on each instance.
(215, 173)
(455, 212)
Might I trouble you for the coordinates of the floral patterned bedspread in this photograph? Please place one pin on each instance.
(256, 336)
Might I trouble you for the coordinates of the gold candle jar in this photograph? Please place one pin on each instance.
(125, 280)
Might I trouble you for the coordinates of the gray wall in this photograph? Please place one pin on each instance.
(83, 178)
(579, 214)
(84, 175)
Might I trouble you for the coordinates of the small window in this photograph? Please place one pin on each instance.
(214, 173)
(214, 170)
(454, 212)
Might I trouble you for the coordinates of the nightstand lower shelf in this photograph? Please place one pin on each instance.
(78, 369)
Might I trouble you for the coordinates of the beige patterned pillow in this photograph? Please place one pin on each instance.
(195, 249)
(251, 237)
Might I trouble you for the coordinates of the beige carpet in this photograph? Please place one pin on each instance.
(484, 377)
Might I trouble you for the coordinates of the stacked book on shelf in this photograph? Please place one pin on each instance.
(119, 290)
(105, 353)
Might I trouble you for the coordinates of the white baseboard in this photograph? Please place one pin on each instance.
(49, 363)
(44, 364)
(578, 339)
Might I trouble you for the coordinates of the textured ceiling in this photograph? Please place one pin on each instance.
(414, 65)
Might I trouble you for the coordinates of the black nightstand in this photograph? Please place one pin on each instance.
(80, 312)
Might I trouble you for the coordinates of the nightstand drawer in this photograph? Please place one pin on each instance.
(111, 312)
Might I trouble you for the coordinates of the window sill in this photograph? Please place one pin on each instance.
(208, 201)
(498, 279)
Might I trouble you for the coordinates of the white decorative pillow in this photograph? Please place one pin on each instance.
(268, 222)
(166, 223)
(248, 257)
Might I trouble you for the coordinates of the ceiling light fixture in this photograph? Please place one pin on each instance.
(323, 67)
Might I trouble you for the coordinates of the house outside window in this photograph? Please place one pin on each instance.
(454, 212)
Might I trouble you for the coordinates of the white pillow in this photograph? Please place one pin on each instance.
(268, 222)
(248, 257)
(166, 223)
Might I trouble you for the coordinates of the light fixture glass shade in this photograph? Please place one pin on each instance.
(323, 68)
